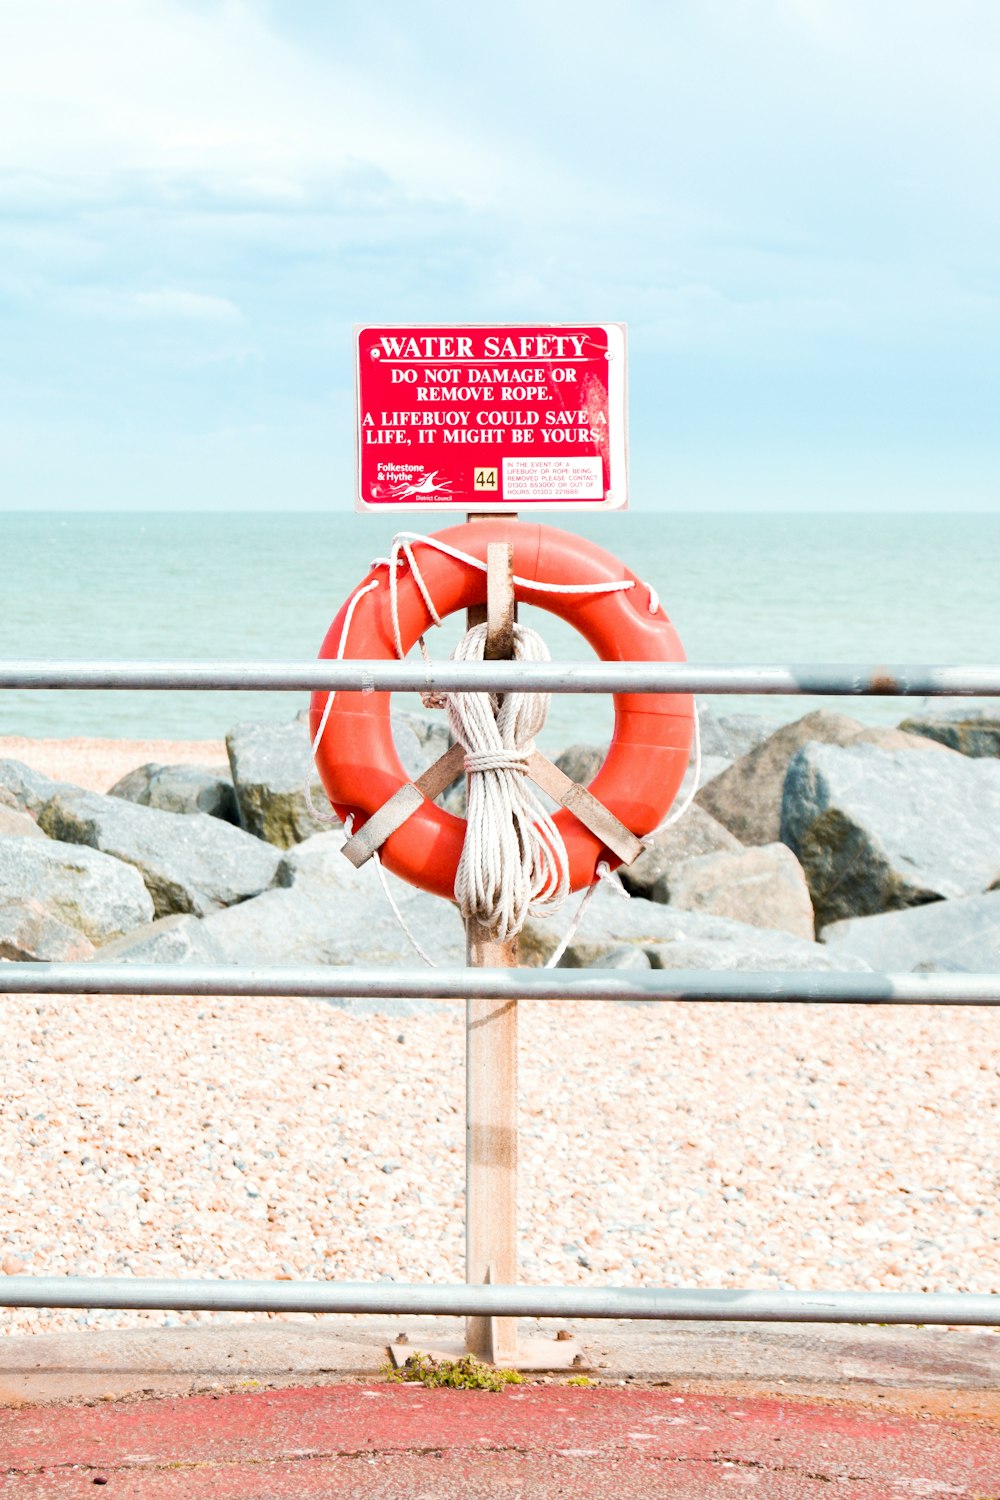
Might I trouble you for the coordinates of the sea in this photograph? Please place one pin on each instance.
(264, 586)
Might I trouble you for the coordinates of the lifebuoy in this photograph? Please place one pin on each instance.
(650, 746)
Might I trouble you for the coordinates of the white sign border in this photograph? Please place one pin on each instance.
(616, 497)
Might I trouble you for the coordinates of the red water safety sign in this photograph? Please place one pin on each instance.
(478, 418)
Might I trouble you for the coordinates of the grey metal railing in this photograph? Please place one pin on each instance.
(322, 983)
(505, 677)
(460, 1300)
(593, 984)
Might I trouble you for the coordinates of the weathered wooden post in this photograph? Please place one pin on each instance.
(491, 1057)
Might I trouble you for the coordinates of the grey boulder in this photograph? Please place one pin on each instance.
(876, 830)
(744, 732)
(970, 731)
(29, 931)
(421, 739)
(81, 889)
(940, 937)
(708, 768)
(763, 885)
(746, 797)
(271, 764)
(714, 739)
(180, 789)
(14, 824)
(694, 834)
(189, 863)
(26, 790)
(673, 939)
(179, 939)
(324, 911)
(628, 956)
(581, 763)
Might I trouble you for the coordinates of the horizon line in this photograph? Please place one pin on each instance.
(438, 514)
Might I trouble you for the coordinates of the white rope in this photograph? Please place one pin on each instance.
(609, 877)
(514, 861)
(403, 540)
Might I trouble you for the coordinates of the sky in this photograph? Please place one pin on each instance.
(793, 204)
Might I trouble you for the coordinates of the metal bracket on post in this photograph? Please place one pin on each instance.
(611, 831)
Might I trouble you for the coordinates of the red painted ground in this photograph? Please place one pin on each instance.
(404, 1441)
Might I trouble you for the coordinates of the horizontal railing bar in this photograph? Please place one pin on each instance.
(396, 1299)
(541, 677)
(322, 982)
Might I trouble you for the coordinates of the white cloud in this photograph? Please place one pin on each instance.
(172, 303)
(95, 88)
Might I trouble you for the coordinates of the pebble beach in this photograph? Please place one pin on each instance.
(713, 1145)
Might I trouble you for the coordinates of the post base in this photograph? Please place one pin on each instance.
(532, 1354)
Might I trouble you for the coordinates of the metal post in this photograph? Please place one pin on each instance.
(491, 1059)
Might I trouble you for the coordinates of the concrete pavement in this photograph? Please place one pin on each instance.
(260, 1411)
(953, 1372)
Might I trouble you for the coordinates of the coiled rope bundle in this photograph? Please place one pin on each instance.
(514, 861)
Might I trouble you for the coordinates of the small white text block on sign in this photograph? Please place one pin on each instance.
(552, 479)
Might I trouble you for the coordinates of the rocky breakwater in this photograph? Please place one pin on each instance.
(902, 854)
(140, 874)
(821, 828)
(817, 844)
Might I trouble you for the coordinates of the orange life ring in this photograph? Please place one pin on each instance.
(644, 767)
